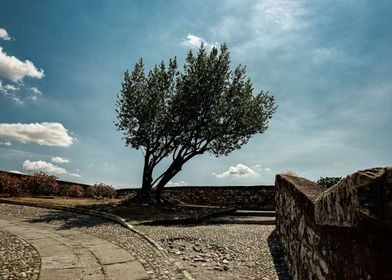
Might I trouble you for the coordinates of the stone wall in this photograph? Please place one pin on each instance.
(240, 197)
(344, 232)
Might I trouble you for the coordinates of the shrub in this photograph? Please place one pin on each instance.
(10, 185)
(327, 182)
(73, 191)
(101, 190)
(41, 184)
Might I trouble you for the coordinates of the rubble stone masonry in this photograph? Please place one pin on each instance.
(344, 232)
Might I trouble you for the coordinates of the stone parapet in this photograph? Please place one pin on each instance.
(341, 233)
(239, 197)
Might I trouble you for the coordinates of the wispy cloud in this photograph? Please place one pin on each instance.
(60, 160)
(36, 93)
(262, 25)
(177, 184)
(323, 55)
(260, 168)
(19, 93)
(4, 34)
(44, 166)
(8, 89)
(193, 41)
(15, 69)
(10, 92)
(46, 133)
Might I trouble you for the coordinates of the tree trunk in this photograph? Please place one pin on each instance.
(145, 193)
(174, 168)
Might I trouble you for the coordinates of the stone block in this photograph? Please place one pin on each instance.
(130, 270)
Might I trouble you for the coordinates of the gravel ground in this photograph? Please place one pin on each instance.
(156, 265)
(18, 259)
(206, 251)
(224, 251)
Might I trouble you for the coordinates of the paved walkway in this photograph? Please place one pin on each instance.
(68, 254)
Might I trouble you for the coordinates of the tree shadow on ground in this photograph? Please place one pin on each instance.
(277, 253)
(69, 220)
(157, 214)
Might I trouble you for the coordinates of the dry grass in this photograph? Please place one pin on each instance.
(67, 201)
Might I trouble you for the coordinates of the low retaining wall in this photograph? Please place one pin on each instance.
(344, 232)
(240, 197)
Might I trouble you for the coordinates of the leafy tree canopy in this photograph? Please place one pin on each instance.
(206, 107)
(328, 182)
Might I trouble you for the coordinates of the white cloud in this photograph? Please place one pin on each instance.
(17, 100)
(46, 133)
(240, 170)
(177, 184)
(40, 165)
(7, 89)
(7, 143)
(44, 166)
(36, 91)
(109, 165)
(16, 172)
(14, 69)
(60, 160)
(10, 91)
(260, 168)
(193, 41)
(4, 34)
(282, 14)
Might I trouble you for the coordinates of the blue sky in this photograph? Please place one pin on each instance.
(328, 63)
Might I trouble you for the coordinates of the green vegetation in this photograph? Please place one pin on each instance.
(205, 108)
(327, 182)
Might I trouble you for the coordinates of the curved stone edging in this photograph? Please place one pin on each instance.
(106, 216)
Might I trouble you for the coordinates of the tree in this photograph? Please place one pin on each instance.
(205, 108)
(327, 182)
